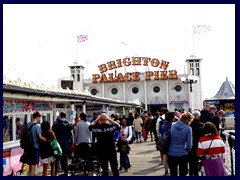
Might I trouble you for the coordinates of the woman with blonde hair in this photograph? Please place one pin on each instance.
(180, 144)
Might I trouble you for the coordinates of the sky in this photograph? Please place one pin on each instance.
(40, 41)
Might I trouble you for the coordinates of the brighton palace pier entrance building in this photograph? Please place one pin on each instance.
(152, 89)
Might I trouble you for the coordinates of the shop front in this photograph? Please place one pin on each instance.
(16, 114)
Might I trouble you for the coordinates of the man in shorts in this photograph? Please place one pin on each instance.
(32, 154)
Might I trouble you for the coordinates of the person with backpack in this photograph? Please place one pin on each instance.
(197, 132)
(63, 130)
(169, 117)
(160, 122)
(31, 148)
(180, 144)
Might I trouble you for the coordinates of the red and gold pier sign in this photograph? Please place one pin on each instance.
(162, 74)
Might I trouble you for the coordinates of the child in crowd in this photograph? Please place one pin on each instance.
(124, 149)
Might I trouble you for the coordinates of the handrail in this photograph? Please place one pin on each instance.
(231, 141)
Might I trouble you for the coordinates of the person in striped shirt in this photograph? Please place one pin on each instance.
(211, 145)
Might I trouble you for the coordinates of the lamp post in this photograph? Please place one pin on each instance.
(189, 80)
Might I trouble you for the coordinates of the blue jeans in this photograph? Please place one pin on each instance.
(124, 160)
(138, 135)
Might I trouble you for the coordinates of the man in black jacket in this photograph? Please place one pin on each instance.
(212, 117)
(205, 113)
(63, 130)
(130, 119)
(197, 132)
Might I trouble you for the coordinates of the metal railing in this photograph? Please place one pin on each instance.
(229, 139)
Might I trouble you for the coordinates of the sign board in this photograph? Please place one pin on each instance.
(10, 106)
(93, 108)
(161, 74)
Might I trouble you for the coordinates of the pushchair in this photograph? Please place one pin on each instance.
(85, 160)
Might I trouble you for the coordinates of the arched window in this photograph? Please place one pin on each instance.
(191, 71)
(73, 76)
(78, 77)
(198, 72)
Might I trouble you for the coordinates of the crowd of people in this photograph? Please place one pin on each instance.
(194, 136)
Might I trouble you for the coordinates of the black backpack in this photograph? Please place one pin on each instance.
(164, 141)
(26, 141)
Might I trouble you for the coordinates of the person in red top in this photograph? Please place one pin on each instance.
(210, 146)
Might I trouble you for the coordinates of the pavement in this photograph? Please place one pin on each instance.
(144, 159)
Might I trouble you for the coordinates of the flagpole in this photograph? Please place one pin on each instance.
(81, 38)
(193, 43)
(135, 65)
(198, 30)
(77, 48)
(125, 69)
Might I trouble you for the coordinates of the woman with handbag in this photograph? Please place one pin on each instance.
(211, 149)
(46, 150)
(147, 125)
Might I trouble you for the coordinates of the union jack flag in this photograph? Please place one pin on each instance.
(200, 29)
(82, 38)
